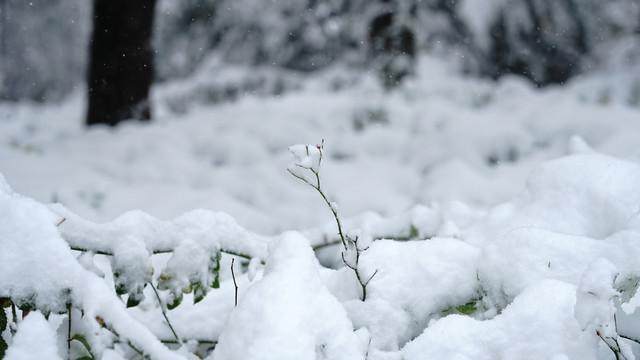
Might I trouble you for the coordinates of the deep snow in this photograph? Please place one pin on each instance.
(502, 222)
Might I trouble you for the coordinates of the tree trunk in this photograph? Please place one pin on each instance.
(121, 61)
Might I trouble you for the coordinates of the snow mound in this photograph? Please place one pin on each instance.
(539, 324)
(586, 194)
(289, 314)
(29, 231)
(35, 340)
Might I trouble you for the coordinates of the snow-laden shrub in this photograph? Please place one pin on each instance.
(551, 274)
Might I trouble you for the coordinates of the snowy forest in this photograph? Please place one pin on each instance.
(302, 179)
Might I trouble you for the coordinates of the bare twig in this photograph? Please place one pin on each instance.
(61, 221)
(371, 277)
(69, 334)
(630, 338)
(317, 186)
(615, 347)
(366, 355)
(355, 268)
(164, 313)
(104, 325)
(235, 284)
(155, 251)
(14, 315)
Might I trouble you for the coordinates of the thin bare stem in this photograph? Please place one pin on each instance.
(332, 208)
(630, 338)
(69, 334)
(366, 355)
(156, 251)
(14, 315)
(356, 269)
(318, 187)
(164, 313)
(235, 284)
(615, 349)
(128, 342)
(371, 277)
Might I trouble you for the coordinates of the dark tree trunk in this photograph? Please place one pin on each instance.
(392, 43)
(121, 61)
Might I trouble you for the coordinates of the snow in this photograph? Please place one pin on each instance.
(539, 323)
(494, 221)
(594, 304)
(34, 340)
(289, 314)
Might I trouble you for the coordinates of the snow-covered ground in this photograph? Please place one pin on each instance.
(521, 206)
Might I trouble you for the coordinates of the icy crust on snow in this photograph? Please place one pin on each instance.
(538, 324)
(289, 314)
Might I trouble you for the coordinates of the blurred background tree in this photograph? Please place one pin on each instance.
(121, 61)
(45, 44)
(43, 48)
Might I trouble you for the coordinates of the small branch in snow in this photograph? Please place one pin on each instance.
(69, 333)
(366, 355)
(355, 268)
(371, 277)
(61, 221)
(155, 251)
(104, 325)
(316, 172)
(208, 342)
(312, 163)
(164, 313)
(14, 319)
(235, 284)
(615, 347)
(629, 338)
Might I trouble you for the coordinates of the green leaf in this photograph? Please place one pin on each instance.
(5, 302)
(121, 288)
(3, 326)
(199, 292)
(214, 269)
(133, 301)
(83, 340)
(3, 347)
(3, 320)
(468, 308)
(85, 358)
(413, 232)
(174, 302)
(448, 310)
(28, 304)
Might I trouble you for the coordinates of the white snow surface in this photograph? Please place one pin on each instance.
(289, 313)
(495, 221)
(34, 340)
